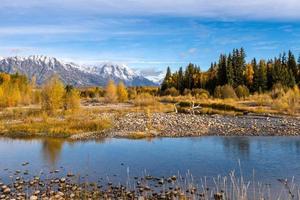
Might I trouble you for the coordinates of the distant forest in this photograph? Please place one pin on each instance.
(233, 70)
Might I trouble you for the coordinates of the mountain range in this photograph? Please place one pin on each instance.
(43, 67)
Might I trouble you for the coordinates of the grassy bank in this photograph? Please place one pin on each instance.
(18, 122)
(95, 115)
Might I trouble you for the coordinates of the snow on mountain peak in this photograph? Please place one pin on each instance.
(72, 73)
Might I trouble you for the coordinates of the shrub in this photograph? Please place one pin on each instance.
(225, 92)
(218, 92)
(228, 92)
(132, 93)
(145, 99)
(72, 100)
(242, 91)
(171, 92)
(290, 101)
(187, 92)
(278, 91)
(200, 93)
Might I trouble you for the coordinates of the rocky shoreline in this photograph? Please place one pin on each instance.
(140, 125)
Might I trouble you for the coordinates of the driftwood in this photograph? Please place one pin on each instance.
(192, 109)
(175, 107)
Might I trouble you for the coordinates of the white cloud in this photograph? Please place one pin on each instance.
(192, 50)
(31, 30)
(229, 9)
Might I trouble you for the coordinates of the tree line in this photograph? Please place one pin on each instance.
(17, 90)
(232, 70)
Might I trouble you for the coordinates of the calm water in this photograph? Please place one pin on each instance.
(270, 157)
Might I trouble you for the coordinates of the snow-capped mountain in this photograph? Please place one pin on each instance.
(43, 67)
(156, 78)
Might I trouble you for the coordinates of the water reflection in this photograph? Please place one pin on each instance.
(237, 145)
(51, 149)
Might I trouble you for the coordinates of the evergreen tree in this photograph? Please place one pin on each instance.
(292, 65)
(255, 86)
(165, 83)
(270, 65)
(222, 66)
(234, 71)
(180, 80)
(229, 71)
(212, 78)
(240, 66)
(190, 75)
(298, 72)
(262, 76)
(281, 73)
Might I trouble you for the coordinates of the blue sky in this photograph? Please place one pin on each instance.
(148, 34)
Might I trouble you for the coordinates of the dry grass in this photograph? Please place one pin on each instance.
(138, 135)
(288, 104)
(27, 122)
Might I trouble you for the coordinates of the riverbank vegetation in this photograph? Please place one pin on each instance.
(229, 87)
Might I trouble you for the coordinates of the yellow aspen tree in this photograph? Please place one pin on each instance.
(72, 100)
(13, 95)
(122, 92)
(52, 95)
(1, 96)
(111, 92)
(249, 74)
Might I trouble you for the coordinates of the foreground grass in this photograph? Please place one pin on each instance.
(175, 187)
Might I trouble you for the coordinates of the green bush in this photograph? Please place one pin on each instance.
(171, 92)
(187, 92)
(225, 92)
(242, 91)
(200, 93)
(278, 91)
(218, 92)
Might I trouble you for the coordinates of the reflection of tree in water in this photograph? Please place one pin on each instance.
(52, 149)
(291, 144)
(239, 146)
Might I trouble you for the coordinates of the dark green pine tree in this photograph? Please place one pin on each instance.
(281, 73)
(262, 76)
(241, 63)
(288, 78)
(255, 86)
(235, 54)
(189, 75)
(229, 71)
(298, 73)
(292, 65)
(212, 78)
(222, 75)
(238, 63)
(165, 83)
(180, 80)
(270, 66)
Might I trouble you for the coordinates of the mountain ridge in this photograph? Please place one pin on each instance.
(43, 67)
